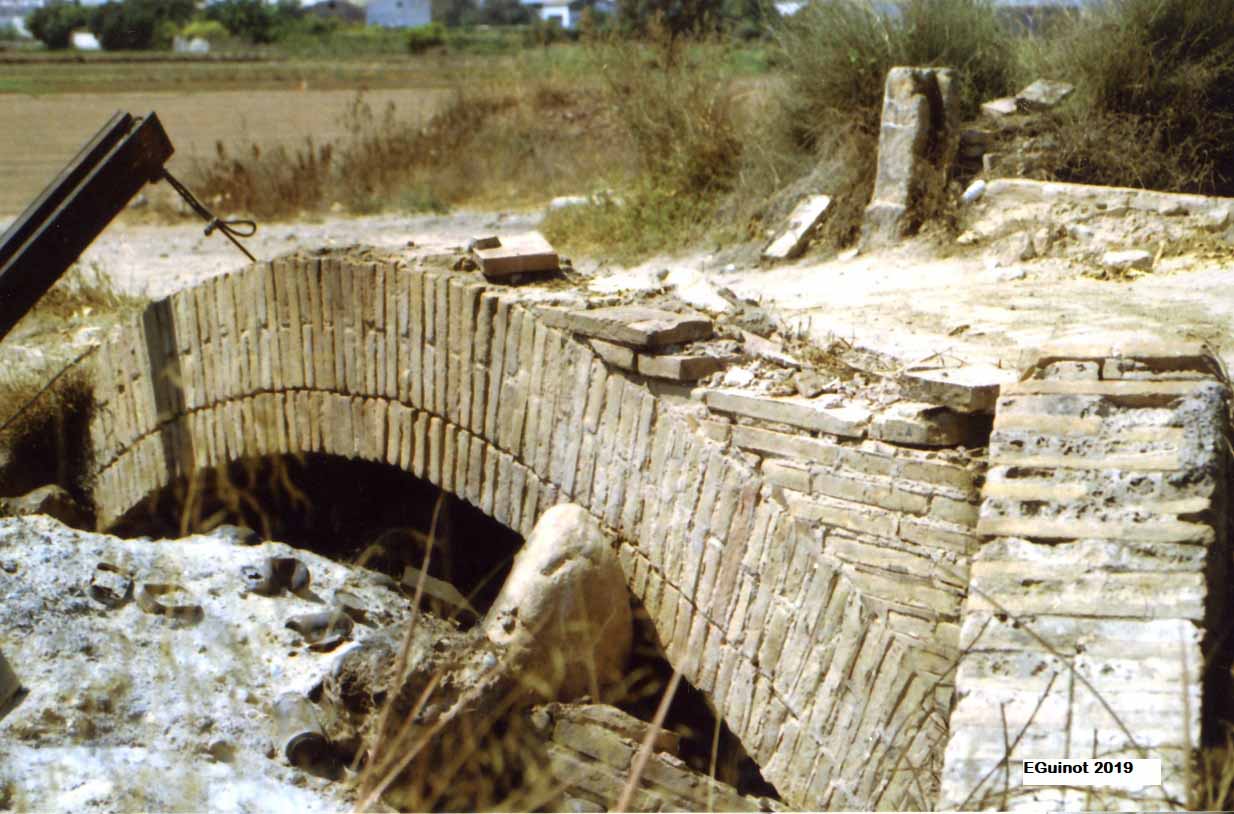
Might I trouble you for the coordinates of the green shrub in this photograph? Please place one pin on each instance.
(211, 30)
(836, 55)
(53, 24)
(424, 37)
(1154, 102)
(253, 20)
(135, 25)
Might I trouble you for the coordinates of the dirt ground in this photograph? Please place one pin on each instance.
(904, 301)
(41, 133)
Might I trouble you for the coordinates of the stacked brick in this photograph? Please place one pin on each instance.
(891, 529)
(815, 603)
(1094, 603)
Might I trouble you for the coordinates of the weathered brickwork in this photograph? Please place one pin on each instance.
(1090, 619)
(816, 583)
(815, 602)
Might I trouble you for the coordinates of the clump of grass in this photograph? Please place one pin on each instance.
(836, 56)
(674, 101)
(1154, 104)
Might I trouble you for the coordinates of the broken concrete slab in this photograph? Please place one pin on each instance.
(1043, 94)
(968, 389)
(679, 368)
(516, 254)
(632, 325)
(801, 223)
(918, 424)
(848, 421)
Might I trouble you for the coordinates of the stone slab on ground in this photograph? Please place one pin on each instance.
(516, 254)
(918, 424)
(848, 421)
(969, 389)
(805, 217)
(632, 325)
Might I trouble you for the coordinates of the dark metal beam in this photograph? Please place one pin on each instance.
(71, 212)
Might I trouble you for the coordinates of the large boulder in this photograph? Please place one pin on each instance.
(564, 612)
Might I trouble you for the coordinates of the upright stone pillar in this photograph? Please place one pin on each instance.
(916, 147)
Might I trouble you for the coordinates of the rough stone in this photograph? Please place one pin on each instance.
(563, 610)
(1136, 259)
(52, 500)
(1043, 94)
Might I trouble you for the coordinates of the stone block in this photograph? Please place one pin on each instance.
(805, 217)
(632, 325)
(517, 254)
(849, 421)
(679, 368)
(618, 356)
(969, 389)
(920, 425)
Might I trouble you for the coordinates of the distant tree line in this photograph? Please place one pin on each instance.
(145, 24)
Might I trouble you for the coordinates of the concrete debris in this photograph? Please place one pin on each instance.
(918, 424)
(1136, 259)
(920, 108)
(810, 384)
(563, 614)
(967, 389)
(761, 348)
(517, 254)
(1043, 94)
(801, 224)
(738, 377)
(634, 326)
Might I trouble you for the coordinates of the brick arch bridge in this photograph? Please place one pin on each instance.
(810, 582)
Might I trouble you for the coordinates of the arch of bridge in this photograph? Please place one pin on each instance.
(840, 698)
